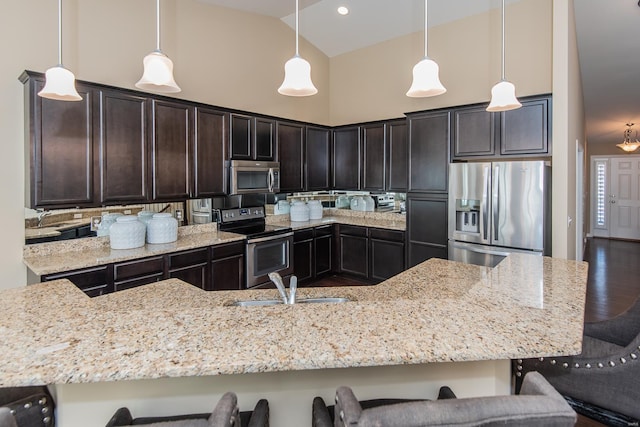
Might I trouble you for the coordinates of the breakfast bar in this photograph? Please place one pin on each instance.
(170, 347)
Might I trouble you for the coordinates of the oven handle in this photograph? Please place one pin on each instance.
(266, 239)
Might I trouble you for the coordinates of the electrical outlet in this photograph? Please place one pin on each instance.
(95, 222)
(178, 214)
(127, 211)
(77, 216)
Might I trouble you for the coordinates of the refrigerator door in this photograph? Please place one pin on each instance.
(469, 202)
(518, 205)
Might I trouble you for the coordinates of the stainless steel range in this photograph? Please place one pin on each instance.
(269, 247)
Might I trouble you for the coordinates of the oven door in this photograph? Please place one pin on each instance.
(266, 255)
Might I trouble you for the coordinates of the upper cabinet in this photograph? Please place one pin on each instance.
(398, 155)
(525, 132)
(210, 152)
(61, 170)
(318, 159)
(374, 156)
(252, 138)
(346, 158)
(429, 140)
(291, 156)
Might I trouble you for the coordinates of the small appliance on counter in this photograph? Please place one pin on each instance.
(199, 211)
(384, 201)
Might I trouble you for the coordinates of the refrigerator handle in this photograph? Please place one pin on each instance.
(496, 201)
(478, 250)
(485, 199)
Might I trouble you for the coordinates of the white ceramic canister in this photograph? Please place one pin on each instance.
(106, 222)
(315, 209)
(162, 228)
(127, 233)
(145, 216)
(299, 212)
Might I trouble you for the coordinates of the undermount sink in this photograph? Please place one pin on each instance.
(320, 300)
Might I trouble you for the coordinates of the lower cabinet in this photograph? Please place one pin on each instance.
(214, 268)
(312, 253)
(374, 254)
(426, 227)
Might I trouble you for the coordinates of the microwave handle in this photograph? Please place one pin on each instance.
(271, 180)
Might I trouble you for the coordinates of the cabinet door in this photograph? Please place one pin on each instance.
(323, 253)
(241, 137)
(122, 142)
(318, 159)
(474, 132)
(61, 134)
(346, 158)
(429, 152)
(526, 130)
(398, 158)
(93, 281)
(171, 141)
(387, 253)
(291, 156)
(265, 131)
(210, 153)
(190, 266)
(374, 157)
(130, 274)
(426, 227)
(303, 264)
(227, 267)
(354, 250)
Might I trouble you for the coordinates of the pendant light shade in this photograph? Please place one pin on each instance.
(158, 68)
(60, 83)
(426, 80)
(503, 94)
(297, 73)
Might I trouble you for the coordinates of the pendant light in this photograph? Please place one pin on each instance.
(626, 145)
(503, 94)
(297, 73)
(425, 73)
(60, 83)
(158, 68)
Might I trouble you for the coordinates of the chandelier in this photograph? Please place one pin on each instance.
(626, 145)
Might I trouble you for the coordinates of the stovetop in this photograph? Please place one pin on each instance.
(248, 221)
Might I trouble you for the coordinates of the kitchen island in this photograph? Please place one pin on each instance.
(172, 348)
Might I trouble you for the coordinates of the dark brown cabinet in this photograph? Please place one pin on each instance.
(318, 159)
(398, 157)
(190, 266)
(374, 157)
(291, 156)
(346, 158)
(121, 141)
(429, 151)
(313, 253)
(387, 253)
(474, 133)
(130, 274)
(252, 138)
(171, 140)
(426, 227)
(93, 281)
(354, 250)
(526, 131)
(61, 144)
(227, 267)
(210, 153)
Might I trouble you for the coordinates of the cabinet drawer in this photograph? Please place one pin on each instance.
(382, 234)
(325, 230)
(227, 250)
(188, 258)
(302, 235)
(353, 230)
(83, 278)
(145, 267)
(138, 281)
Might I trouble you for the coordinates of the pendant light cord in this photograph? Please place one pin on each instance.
(60, 33)
(503, 73)
(425, 28)
(297, 28)
(158, 25)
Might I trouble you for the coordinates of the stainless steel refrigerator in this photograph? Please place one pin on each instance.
(496, 208)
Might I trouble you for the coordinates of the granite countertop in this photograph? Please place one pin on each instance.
(67, 255)
(438, 311)
(388, 220)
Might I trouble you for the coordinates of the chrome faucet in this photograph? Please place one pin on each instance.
(293, 285)
(41, 215)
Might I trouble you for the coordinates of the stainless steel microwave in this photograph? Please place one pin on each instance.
(249, 177)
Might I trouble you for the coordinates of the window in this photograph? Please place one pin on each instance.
(600, 177)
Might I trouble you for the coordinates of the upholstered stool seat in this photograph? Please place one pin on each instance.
(225, 414)
(27, 407)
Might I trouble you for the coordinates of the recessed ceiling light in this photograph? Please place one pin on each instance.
(342, 10)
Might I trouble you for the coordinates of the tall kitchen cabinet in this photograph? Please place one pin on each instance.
(317, 159)
(120, 146)
(291, 156)
(429, 142)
